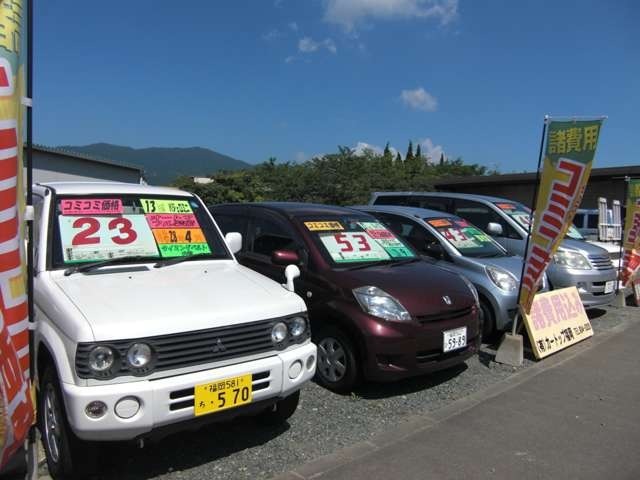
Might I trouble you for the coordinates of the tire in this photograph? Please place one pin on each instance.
(68, 457)
(337, 365)
(487, 322)
(281, 411)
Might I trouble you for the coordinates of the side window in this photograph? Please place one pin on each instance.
(392, 200)
(578, 220)
(412, 232)
(268, 235)
(592, 220)
(481, 215)
(433, 203)
(232, 223)
(38, 204)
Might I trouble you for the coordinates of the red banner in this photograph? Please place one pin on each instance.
(16, 405)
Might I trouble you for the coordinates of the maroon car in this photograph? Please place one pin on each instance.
(376, 309)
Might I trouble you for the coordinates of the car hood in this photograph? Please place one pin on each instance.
(583, 247)
(419, 286)
(512, 264)
(135, 302)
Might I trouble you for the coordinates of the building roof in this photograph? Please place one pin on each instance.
(83, 156)
(530, 177)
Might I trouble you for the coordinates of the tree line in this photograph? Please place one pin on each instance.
(342, 178)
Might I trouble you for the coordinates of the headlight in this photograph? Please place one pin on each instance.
(502, 279)
(571, 259)
(279, 332)
(473, 289)
(379, 303)
(297, 326)
(101, 359)
(139, 355)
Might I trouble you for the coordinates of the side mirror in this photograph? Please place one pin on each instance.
(290, 274)
(234, 241)
(434, 249)
(285, 257)
(495, 229)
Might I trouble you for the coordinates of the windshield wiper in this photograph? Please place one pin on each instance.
(86, 267)
(176, 260)
(390, 262)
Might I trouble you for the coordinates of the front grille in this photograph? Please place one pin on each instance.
(439, 356)
(601, 262)
(445, 315)
(187, 349)
(181, 399)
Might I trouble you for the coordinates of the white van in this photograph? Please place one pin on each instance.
(146, 323)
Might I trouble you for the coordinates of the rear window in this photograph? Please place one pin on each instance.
(469, 240)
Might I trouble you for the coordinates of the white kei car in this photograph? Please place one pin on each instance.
(145, 321)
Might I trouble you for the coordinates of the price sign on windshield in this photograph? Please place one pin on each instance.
(352, 247)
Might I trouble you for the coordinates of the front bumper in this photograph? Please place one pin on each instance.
(397, 350)
(169, 400)
(590, 284)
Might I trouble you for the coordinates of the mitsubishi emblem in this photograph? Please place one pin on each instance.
(446, 299)
(218, 347)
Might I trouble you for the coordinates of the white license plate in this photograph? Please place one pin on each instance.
(608, 287)
(454, 339)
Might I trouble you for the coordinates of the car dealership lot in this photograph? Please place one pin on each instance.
(325, 423)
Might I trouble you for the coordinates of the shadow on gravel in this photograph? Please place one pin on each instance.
(182, 451)
(374, 391)
(595, 313)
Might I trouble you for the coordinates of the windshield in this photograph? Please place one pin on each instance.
(349, 239)
(469, 240)
(520, 214)
(94, 228)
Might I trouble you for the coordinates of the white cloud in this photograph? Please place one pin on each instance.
(350, 13)
(362, 146)
(290, 59)
(272, 34)
(301, 157)
(309, 45)
(419, 99)
(430, 150)
(293, 26)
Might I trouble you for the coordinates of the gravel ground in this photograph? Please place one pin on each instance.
(324, 423)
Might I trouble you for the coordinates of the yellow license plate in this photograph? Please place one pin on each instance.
(222, 394)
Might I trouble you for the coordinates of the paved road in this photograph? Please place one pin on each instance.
(579, 419)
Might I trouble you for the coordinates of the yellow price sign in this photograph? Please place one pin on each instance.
(179, 235)
(323, 226)
(154, 205)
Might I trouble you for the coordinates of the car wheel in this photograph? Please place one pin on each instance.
(337, 367)
(281, 411)
(67, 455)
(487, 322)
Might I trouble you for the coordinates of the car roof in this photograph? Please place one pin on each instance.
(466, 196)
(91, 188)
(406, 211)
(294, 209)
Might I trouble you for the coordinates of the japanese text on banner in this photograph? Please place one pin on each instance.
(570, 149)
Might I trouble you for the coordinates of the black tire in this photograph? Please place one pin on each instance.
(281, 411)
(337, 366)
(68, 457)
(487, 322)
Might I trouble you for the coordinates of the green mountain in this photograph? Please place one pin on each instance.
(163, 165)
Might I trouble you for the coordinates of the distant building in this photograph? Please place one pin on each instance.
(55, 165)
(603, 182)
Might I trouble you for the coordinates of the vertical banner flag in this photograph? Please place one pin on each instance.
(568, 156)
(16, 405)
(631, 237)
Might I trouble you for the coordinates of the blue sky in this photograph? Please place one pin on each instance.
(297, 78)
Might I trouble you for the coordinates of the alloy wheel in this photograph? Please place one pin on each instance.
(52, 423)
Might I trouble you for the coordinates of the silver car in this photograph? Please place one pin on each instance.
(576, 262)
(455, 244)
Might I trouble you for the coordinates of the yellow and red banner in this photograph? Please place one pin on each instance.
(631, 237)
(16, 405)
(569, 152)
